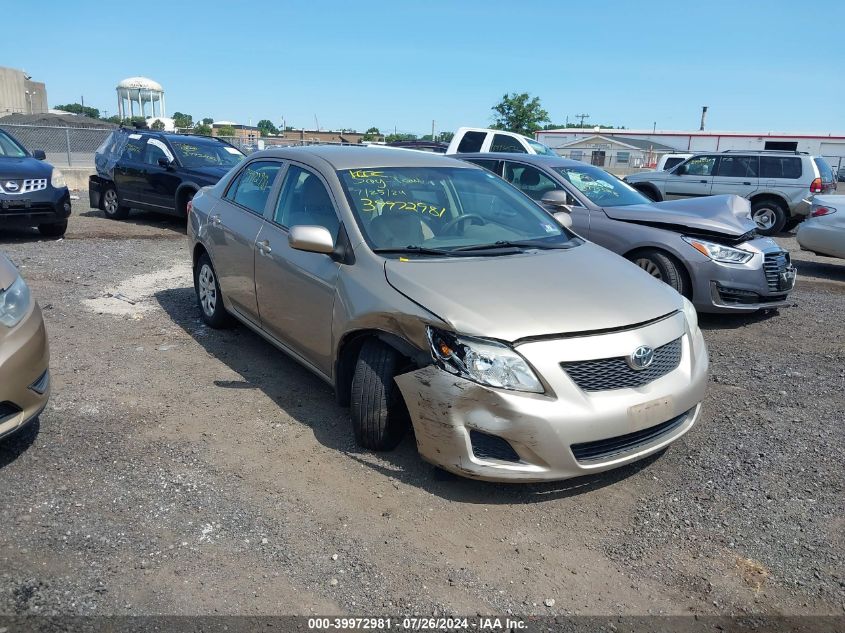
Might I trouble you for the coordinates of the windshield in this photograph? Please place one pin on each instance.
(445, 210)
(10, 147)
(206, 154)
(541, 149)
(602, 188)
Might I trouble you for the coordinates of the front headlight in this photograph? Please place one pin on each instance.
(14, 303)
(485, 362)
(690, 314)
(719, 252)
(57, 180)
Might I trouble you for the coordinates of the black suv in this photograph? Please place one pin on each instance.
(156, 171)
(32, 193)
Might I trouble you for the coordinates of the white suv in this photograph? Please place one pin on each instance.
(778, 184)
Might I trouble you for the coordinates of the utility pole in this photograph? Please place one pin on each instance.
(703, 117)
(654, 127)
(432, 131)
(583, 117)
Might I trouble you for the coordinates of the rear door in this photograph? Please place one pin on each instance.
(691, 179)
(737, 174)
(234, 225)
(784, 174)
(128, 171)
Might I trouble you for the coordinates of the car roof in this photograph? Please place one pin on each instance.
(168, 135)
(361, 157)
(538, 159)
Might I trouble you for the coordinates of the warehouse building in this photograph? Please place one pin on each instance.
(831, 146)
(19, 94)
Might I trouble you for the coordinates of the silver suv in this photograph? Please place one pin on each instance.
(778, 184)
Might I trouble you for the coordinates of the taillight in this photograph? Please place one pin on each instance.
(816, 186)
(820, 211)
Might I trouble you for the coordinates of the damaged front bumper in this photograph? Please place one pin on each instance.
(499, 435)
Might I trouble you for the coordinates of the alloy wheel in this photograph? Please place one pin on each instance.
(110, 201)
(765, 218)
(650, 267)
(207, 288)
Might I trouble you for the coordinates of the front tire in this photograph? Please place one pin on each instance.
(379, 416)
(663, 267)
(57, 229)
(209, 298)
(111, 205)
(769, 216)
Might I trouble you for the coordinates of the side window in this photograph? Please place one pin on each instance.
(471, 142)
(671, 162)
(700, 166)
(155, 150)
(738, 167)
(622, 158)
(251, 187)
(780, 167)
(305, 201)
(489, 165)
(505, 143)
(530, 180)
(133, 150)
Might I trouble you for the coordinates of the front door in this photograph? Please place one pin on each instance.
(234, 225)
(691, 179)
(536, 183)
(158, 187)
(598, 157)
(295, 289)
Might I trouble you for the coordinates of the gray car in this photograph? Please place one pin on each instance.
(824, 231)
(428, 291)
(778, 184)
(704, 248)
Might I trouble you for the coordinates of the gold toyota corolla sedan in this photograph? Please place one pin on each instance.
(428, 290)
(24, 353)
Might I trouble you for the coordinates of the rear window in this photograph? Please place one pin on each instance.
(780, 167)
(671, 162)
(825, 170)
(471, 142)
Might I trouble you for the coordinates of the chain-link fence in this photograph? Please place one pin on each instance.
(64, 146)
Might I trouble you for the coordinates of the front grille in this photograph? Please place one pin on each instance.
(614, 373)
(8, 411)
(773, 265)
(738, 296)
(485, 446)
(16, 187)
(605, 449)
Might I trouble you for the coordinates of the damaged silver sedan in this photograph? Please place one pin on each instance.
(430, 293)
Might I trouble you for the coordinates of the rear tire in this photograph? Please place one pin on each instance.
(57, 229)
(209, 297)
(663, 267)
(111, 205)
(769, 216)
(379, 416)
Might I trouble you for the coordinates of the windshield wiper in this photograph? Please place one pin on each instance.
(515, 244)
(415, 250)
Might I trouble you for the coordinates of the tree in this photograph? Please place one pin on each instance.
(203, 129)
(78, 108)
(207, 121)
(266, 127)
(519, 113)
(390, 138)
(182, 120)
(158, 124)
(372, 134)
(225, 130)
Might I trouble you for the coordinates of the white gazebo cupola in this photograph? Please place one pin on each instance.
(140, 92)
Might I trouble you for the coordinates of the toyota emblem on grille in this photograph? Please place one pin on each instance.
(641, 357)
(11, 185)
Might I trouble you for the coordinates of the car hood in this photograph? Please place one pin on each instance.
(536, 293)
(26, 167)
(650, 175)
(727, 215)
(210, 174)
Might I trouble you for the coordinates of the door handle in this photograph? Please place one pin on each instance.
(746, 183)
(264, 247)
(703, 181)
(215, 220)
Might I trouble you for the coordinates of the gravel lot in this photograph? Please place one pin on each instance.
(180, 470)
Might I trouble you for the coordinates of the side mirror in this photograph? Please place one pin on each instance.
(311, 239)
(557, 199)
(564, 218)
(165, 162)
(39, 154)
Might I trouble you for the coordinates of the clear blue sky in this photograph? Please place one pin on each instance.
(761, 66)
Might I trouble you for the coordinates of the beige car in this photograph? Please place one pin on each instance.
(24, 353)
(428, 291)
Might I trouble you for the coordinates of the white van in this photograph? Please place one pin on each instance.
(478, 139)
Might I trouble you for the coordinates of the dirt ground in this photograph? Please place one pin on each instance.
(181, 470)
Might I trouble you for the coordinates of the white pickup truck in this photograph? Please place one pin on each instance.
(477, 139)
